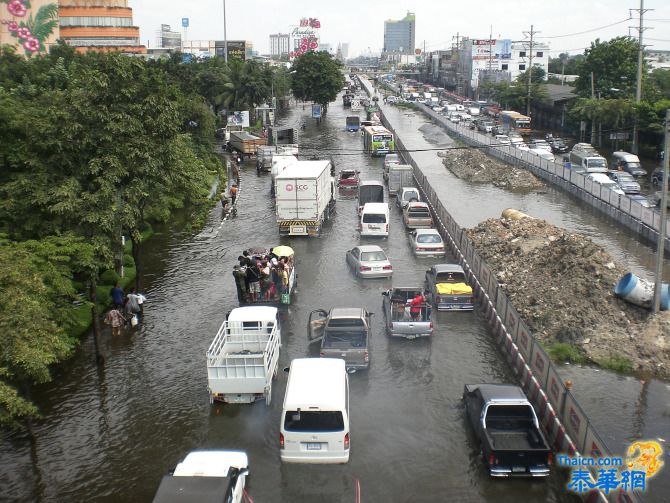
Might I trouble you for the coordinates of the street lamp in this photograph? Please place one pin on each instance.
(225, 38)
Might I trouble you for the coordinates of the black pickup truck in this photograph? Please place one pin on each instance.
(508, 429)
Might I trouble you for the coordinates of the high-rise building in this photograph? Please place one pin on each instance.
(99, 25)
(399, 36)
(279, 45)
(168, 39)
(344, 50)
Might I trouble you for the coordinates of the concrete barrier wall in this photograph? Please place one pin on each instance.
(567, 426)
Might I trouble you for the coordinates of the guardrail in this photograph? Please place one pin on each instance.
(567, 425)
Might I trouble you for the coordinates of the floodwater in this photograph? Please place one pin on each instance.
(109, 434)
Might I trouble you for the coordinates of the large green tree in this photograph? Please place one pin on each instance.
(614, 67)
(317, 77)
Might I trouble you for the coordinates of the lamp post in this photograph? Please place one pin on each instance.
(225, 37)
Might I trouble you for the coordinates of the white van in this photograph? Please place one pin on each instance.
(375, 220)
(314, 425)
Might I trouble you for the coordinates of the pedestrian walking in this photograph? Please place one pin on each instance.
(233, 193)
(117, 295)
(115, 319)
(224, 200)
(133, 306)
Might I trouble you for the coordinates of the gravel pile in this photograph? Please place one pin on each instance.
(473, 165)
(562, 285)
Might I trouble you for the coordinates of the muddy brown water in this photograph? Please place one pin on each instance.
(109, 434)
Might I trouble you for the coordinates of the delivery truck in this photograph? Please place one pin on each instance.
(305, 199)
(245, 143)
(400, 175)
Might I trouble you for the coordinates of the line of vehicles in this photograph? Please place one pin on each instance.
(242, 360)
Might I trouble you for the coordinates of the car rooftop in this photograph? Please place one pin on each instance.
(417, 204)
(427, 231)
(347, 312)
(368, 248)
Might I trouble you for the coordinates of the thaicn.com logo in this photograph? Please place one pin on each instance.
(643, 461)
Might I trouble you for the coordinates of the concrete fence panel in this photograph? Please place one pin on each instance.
(575, 421)
(554, 387)
(647, 216)
(501, 304)
(512, 319)
(524, 340)
(540, 364)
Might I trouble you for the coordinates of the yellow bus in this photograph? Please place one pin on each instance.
(378, 140)
(514, 121)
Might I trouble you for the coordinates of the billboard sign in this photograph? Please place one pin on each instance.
(239, 119)
(316, 111)
(184, 22)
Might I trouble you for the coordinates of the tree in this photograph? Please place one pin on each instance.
(613, 64)
(317, 77)
(35, 312)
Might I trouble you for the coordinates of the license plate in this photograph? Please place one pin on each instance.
(376, 268)
(411, 337)
(519, 469)
(298, 229)
(313, 446)
(373, 227)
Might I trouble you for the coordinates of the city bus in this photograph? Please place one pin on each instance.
(378, 140)
(514, 121)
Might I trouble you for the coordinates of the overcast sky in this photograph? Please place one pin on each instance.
(361, 22)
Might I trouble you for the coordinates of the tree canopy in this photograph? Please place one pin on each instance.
(614, 67)
(317, 77)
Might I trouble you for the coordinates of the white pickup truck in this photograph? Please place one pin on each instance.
(243, 357)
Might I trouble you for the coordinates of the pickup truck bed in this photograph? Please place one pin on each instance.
(506, 440)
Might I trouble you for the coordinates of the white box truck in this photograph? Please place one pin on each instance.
(305, 198)
(400, 175)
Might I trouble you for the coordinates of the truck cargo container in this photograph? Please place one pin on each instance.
(305, 197)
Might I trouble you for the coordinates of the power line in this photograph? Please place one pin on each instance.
(592, 30)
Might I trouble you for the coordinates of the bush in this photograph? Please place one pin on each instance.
(561, 352)
(617, 363)
(109, 277)
(128, 260)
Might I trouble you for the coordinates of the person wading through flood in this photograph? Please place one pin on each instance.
(115, 319)
(254, 277)
(233, 193)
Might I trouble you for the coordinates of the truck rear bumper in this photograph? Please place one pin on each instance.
(443, 306)
(504, 471)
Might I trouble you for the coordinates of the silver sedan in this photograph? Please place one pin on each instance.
(426, 243)
(369, 261)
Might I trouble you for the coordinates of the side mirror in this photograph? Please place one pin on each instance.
(286, 369)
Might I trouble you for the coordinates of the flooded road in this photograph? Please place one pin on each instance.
(110, 434)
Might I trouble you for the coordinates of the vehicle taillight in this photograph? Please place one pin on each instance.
(550, 458)
(281, 440)
(366, 358)
(387, 227)
(492, 460)
(431, 325)
(388, 267)
(440, 248)
(346, 441)
(322, 354)
(363, 268)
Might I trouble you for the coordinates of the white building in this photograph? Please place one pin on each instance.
(344, 50)
(279, 44)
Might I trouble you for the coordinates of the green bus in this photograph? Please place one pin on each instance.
(378, 140)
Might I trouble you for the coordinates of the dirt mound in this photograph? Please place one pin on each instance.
(562, 285)
(473, 165)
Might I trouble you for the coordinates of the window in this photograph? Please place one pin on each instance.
(522, 67)
(540, 54)
(522, 54)
(428, 238)
(374, 218)
(505, 66)
(375, 256)
(313, 421)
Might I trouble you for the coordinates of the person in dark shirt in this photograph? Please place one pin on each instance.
(254, 277)
(117, 295)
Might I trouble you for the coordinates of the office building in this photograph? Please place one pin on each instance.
(99, 25)
(279, 45)
(344, 50)
(399, 36)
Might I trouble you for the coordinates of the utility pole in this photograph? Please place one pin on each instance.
(640, 64)
(532, 34)
(593, 118)
(664, 215)
(490, 49)
(225, 36)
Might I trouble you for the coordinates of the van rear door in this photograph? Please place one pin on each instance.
(315, 436)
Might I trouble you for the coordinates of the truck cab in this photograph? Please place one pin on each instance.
(505, 423)
(206, 476)
(344, 333)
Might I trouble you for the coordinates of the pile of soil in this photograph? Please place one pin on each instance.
(473, 165)
(562, 284)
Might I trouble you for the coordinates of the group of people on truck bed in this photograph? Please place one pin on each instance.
(262, 277)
